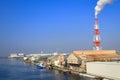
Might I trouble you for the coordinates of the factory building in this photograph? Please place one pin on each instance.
(109, 70)
(84, 56)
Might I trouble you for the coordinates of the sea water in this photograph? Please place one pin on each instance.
(14, 69)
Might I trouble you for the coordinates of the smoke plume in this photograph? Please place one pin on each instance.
(100, 5)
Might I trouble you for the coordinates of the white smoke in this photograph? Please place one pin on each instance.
(100, 5)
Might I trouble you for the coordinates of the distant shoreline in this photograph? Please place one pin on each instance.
(3, 57)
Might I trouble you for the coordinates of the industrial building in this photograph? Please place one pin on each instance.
(104, 69)
(78, 59)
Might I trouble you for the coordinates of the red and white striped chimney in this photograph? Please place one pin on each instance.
(97, 42)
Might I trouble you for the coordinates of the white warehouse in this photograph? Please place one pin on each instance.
(104, 69)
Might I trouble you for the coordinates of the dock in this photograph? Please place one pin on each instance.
(61, 69)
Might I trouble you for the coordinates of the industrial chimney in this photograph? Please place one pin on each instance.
(97, 42)
(100, 5)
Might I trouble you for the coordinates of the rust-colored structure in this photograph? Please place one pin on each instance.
(97, 55)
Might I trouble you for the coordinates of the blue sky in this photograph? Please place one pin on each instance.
(32, 26)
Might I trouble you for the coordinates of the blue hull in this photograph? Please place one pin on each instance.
(40, 67)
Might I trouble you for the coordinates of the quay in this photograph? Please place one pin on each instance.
(62, 69)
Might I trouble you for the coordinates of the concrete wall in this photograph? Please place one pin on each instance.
(104, 69)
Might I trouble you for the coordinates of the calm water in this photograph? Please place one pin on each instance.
(12, 69)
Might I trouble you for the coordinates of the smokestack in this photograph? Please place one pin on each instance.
(97, 42)
(100, 5)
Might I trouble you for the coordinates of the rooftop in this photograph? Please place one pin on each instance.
(108, 63)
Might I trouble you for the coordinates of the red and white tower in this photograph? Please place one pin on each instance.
(97, 41)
